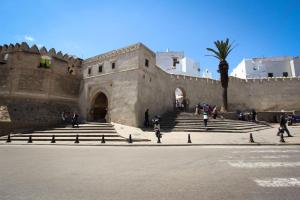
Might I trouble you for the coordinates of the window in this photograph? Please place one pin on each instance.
(285, 74)
(175, 61)
(100, 68)
(89, 71)
(270, 75)
(146, 62)
(113, 65)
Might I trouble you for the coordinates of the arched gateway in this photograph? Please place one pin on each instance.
(99, 108)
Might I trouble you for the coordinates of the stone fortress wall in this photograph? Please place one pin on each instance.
(133, 87)
(120, 85)
(33, 96)
(266, 94)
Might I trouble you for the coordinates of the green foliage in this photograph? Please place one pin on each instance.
(223, 49)
(45, 62)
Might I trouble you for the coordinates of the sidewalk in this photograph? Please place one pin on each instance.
(263, 137)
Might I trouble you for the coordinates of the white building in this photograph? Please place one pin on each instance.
(207, 74)
(268, 67)
(177, 63)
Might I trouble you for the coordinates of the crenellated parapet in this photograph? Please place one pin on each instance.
(263, 79)
(194, 79)
(118, 52)
(24, 47)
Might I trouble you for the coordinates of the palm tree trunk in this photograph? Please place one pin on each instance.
(224, 95)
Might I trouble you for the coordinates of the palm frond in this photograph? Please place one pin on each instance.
(223, 49)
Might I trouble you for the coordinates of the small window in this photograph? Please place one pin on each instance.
(89, 71)
(100, 68)
(175, 61)
(146, 62)
(113, 65)
(285, 74)
(270, 75)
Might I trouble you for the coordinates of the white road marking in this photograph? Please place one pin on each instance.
(274, 151)
(242, 164)
(278, 156)
(278, 182)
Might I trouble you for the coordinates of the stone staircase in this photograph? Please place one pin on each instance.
(88, 132)
(188, 122)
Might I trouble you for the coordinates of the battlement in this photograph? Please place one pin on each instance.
(24, 47)
(267, 79)
(118, 52)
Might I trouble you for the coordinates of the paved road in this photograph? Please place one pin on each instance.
(62, 172)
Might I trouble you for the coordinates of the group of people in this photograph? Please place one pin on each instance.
(247, 116)
(67, 118)
(182, 105)
(206, 109)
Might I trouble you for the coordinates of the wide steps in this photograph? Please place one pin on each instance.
(86, 132)
(188, 122)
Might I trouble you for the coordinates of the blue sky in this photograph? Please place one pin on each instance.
(87, 28)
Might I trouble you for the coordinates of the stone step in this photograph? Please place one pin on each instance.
(85, 128)
(210, 124)
(211, 120)
(65, 135)
(75, 131)
(66, 139)
(211, 130)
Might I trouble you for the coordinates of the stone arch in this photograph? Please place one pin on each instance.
(180, 98)
(99, 107)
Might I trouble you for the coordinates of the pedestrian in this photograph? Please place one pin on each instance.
(75, 120)
(146, 122)
(184, 105)
(253, 115)
(215, 112)
(283, 126)
(63, 117)
(205, 119)
(156, 123)
(197, 109)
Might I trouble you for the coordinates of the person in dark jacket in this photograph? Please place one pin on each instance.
(283, 126)
(146, 122)
(253, 115)
(75, 120)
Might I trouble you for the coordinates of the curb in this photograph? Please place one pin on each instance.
(155, 145)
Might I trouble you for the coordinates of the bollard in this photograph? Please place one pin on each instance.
(53, 139)
(8, 140)
(29, 139)
(77, 139)
(103, 139)
(189, 138)
(281, 138)
(130, 139)
(251, 140)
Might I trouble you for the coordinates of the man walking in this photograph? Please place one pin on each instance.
(205, 119)
(283, 126)
(75, 120)
(146, 122)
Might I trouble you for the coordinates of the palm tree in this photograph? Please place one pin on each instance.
(223, 48)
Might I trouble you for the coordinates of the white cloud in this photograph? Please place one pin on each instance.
(28, 38)
(39, 46)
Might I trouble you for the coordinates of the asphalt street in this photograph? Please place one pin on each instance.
(190, 172)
